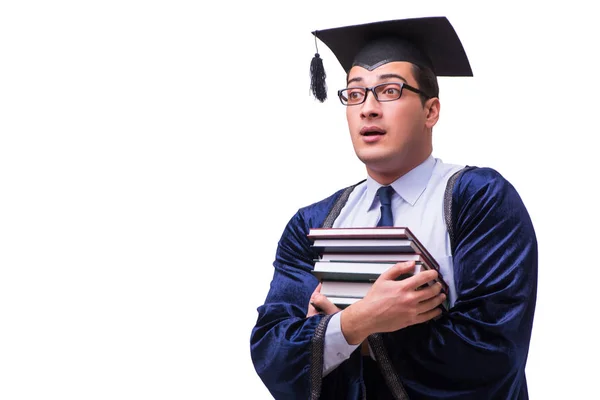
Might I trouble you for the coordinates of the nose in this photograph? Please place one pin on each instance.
(371, 108)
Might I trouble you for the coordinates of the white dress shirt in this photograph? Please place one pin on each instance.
(417, 203)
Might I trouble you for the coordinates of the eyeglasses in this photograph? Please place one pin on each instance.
(389, 91)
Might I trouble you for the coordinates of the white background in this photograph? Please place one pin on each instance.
(151, 153)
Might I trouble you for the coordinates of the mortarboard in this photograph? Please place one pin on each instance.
(429, 42)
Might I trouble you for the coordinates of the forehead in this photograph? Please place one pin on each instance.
(386, 72)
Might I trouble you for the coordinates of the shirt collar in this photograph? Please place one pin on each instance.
(409, 186)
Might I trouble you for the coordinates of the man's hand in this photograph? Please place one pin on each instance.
(391, 305)
(320, 304)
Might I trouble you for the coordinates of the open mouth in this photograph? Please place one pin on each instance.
(371, 131)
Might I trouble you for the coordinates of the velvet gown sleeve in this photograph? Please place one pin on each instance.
(284, 353)
(478, 349)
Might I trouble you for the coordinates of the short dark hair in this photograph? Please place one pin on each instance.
(426, 81)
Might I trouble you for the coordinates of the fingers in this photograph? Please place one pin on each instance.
(311, 311)
(407, 267)
(422, 278)
(428, 291)
(425, 307)
(316, 291)
(428, 315)
(321, 303)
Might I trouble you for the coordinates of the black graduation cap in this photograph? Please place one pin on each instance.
(429, 42)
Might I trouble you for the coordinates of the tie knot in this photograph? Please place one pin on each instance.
(385, 195)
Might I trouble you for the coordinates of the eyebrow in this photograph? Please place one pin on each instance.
(380, 77)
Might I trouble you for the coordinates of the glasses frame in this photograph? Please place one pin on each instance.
(371, 89)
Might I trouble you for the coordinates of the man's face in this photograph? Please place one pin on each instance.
(391, 137)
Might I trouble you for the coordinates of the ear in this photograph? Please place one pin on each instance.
(432, 109)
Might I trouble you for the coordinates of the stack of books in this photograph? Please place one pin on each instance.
(351, 259)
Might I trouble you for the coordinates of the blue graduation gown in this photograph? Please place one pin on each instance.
(476, 350)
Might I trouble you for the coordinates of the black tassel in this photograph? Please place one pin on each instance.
(317, 78)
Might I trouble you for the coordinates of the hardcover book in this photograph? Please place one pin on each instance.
(353, 271)
(350, 259)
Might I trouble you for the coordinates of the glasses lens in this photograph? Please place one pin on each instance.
(352, 96)
(388, 91)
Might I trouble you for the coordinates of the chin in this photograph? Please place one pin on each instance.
(373, 154)
(382, 161)
(374, 158)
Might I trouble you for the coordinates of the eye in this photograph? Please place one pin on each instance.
(388, 91)
(355, 95)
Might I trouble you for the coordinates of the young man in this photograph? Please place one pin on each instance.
(481, 236)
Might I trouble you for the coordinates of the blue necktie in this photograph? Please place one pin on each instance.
(385, 198)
